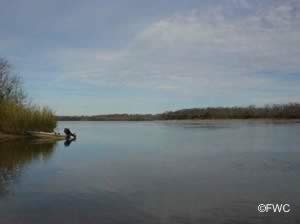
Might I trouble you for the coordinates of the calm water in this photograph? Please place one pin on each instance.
(153, 172)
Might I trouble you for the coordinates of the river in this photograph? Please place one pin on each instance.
(154, 172)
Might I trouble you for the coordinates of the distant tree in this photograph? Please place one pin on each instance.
(10, 84)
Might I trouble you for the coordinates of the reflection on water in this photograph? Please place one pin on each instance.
(68, 142)
(154, 172)
(15, 155)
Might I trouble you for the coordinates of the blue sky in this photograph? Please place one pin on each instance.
(139, 56)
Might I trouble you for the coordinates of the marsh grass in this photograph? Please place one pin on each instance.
(18, 118)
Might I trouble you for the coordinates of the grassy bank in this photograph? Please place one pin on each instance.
(18, 118)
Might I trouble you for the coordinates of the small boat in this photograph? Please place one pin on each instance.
(46, 135)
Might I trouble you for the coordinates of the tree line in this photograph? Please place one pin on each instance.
(275, 111)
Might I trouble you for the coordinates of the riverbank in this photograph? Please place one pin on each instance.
(7, 137)
(32, 135)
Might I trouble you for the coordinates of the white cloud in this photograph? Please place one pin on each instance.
(199, 53)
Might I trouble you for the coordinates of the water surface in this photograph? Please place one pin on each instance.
(154, 172)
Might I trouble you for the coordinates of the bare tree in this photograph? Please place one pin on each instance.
(10, 84)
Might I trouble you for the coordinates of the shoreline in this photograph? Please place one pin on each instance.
(296, 120)
(8, 137)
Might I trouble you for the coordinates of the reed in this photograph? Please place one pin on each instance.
(18, 118)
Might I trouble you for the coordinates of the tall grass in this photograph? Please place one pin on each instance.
(18, 118)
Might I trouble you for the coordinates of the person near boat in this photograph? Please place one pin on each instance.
(69, 134)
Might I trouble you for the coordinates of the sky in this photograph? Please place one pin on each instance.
(139, 56)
